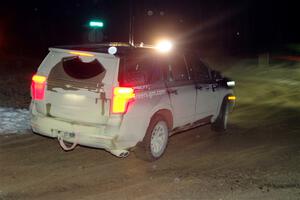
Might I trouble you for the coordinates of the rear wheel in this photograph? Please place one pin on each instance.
(220, 125)
(155, 141)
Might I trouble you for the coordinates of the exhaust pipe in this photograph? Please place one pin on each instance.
(120, 153)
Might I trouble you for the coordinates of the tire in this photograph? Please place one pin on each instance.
(155, 141)
(220, 124)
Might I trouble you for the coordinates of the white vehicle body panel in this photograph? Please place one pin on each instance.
(83, 115)
(207, 100)
(83, 104)
(183, 101)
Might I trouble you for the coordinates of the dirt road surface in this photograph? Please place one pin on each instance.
(198, 164)
(258, 157)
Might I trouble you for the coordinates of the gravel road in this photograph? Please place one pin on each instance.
(257, 163)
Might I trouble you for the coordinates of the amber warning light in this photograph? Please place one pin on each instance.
(232, 97)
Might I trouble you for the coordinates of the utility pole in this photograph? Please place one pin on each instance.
(131, 23)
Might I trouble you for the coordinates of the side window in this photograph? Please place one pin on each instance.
(138, 71)
(198, 70)
(178, 70)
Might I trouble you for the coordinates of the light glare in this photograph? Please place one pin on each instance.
(164, 46)
(96, 24)
(39, 79)
(230, 83)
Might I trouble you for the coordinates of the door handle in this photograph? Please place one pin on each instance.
(199, 87)
(172, 91)
(214, 87)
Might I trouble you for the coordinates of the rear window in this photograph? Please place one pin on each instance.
(138, 71)
(76, 68)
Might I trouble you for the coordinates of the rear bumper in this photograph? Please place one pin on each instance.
(71, 132)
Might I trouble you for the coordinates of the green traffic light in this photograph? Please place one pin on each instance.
(96, 24)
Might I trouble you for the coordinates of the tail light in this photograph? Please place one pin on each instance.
(38, 84)
(121, 97)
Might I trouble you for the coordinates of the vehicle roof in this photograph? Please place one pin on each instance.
(123, 48)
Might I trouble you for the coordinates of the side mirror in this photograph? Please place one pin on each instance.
(224, 81)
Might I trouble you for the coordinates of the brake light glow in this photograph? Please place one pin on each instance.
(38, 84)
(121, 97)
(81, 53)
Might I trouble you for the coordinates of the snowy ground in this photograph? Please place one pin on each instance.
(14, 120)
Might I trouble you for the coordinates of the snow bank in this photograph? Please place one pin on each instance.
(14, 120)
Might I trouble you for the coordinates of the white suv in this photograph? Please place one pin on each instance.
(130, 97)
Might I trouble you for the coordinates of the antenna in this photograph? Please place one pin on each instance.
(131, 23)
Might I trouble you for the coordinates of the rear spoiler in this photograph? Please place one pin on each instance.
(80, 52)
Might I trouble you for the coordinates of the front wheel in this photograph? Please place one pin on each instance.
(155, 141)
(220, 125)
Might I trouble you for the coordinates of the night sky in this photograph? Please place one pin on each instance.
(232, 27)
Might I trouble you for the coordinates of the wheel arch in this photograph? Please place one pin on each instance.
(166, 114)
(225, 97)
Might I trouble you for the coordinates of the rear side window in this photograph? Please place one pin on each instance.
(178, 67)
(198, 70)
(76, 68)
(138, 71)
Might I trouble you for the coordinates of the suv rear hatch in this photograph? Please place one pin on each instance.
(79, 85)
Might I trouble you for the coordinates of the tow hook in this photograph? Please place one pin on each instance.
(60, 137)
